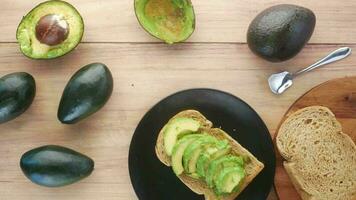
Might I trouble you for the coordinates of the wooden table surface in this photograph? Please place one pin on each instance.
(145, 71)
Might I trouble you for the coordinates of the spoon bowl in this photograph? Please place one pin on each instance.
(279, 82)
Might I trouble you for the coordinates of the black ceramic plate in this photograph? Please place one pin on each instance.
(152, 180)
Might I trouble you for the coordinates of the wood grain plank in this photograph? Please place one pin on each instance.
(114, 21)
(143, 74)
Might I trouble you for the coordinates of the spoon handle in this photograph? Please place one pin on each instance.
(332, 57)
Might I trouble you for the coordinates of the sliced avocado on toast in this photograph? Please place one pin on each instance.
(169, 20)
(208, 160)
(177, 128)
(217, 165)
(178, 151)
(50, 30)
(213, 152)
(193, 151)
(229, 179)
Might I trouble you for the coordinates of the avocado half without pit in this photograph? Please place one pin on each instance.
(169, 20)
(50, 30)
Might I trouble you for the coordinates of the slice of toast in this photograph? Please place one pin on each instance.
(253, 167)
(319, 158)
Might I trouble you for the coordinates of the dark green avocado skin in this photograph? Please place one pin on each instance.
(86, 92)
(55, 166)
(280, 32)
(17, 91)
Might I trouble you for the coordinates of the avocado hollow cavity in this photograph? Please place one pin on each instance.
(50, 30)
(169, 20)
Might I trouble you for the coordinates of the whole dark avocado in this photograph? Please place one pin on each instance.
(50, 30)
(86, 92)
(55, 166)
(17, 91)
(280, 32)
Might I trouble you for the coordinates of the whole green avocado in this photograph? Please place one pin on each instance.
(55, 166)
(280, 32)
(17, 91)
(86, 92)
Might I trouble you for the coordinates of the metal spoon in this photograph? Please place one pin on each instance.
(281, 81)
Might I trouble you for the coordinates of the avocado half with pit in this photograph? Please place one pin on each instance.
(169, 20)
(50, 30)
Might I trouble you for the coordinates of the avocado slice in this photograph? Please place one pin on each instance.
(177, 128)
(214, 152)
(50, 30)
(280, 32)
(178, 151)
(193, 151)
(215, 166)
(169, 20)
(229, 179)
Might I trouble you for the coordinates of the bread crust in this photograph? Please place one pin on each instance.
(319, 158)
(253, 167)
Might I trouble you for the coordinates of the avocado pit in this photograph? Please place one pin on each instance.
(52, 29)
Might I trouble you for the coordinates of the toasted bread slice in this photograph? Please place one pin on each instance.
(253, 167)
(320, 159)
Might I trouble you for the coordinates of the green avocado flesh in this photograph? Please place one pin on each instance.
(55, 166)
(169, 20)
(229, 179)
(280, 32)
(178, 152)
(177, 128)
(213, 152)
(192, 152)
(217, 165)
(32, 47)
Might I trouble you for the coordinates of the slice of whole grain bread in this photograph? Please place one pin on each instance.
(319, 158)
(253, 167)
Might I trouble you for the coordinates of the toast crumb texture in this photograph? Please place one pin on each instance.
(319, 158)
(253, 167)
